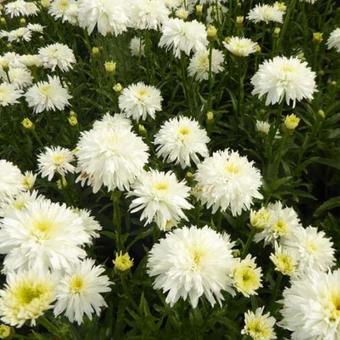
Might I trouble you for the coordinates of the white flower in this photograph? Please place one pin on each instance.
(9, 94)
(29, 60)
(29, 180)
(10, 180)
(283, 77)
(26, 296)
(148, 14)
(110, 154)
(79, 291)
(259, 326)
(42, 236)
(281, 223)
(21, 77)
(47, 95)
(182, 140)
(311, 307)
(334, 40)
(139, 101)
(161, 197)
(265, 13)
(55, 160)
(228, 180)
(91, 226)
(35, 28)
(190, 263)
(311, 249)
(110, 16)
(246, 276)
(199, 64)
(241, 47)
(57, 55)
(67, 10)
(262, 126)
(137, 47)
(21, 8)
(183, 36)
(22, 33)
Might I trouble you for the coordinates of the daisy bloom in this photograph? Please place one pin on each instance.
(57, 55)
(311, 307)
(228, 180)
(55, 160)
(241, 47)
(334, 40)
(311, 249)
(29, 180)
(42, 236)
(284, 262)
(161, 197)
(110, 154)
(190, 263)
(246, 276)
(47, 95)
(182, 140)
(139, 101)
(20, 77)
(9, 94)
(199, 64)
(284, 78)
(66, 10)
(79, 292)
(25, 297)
(91, 226)
(183, 36)
(21, 8)
(259, 326)
(265, 13)
(280, 223)
(109, 16)
(148, 14)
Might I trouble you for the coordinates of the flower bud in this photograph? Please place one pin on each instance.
(110, 66)
(122, 262)
(291, 122)
(27, 123)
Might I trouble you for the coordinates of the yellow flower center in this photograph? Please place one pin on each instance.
(280, 227)
(258, 329)
(311, 247)
(184, 131)
(284, 264)
(63, 5)
(246, 279)
(42, 229)
(76, 284)
(141, 94)
(197, 255)
(26, 293)
(45, 90)
(58, 159)
(161, 186)
(232, 168)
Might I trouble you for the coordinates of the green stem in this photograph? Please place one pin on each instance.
(290, 10)
(248, 243)
(210, 78)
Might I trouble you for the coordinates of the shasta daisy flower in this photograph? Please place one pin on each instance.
(280, 223)
(47, 95)
(241, 47)
(42, 236)
(311, 249)
(265, 13)
(109, 16)
(311, 306)
(183, 36)
(148, 14)
(161, 197)
(190, 263)
(9, 94)
(26, 296)
(139, 101)
(110, 154)
(21, 8)
(246, 276)
(66, 10)
(79, 292)
(284, 262)
(199, 64)
(259, 326)
(182, 140)
(55, 160)
(284, 78)
(57, 55)
(228, 180)
(334, 40)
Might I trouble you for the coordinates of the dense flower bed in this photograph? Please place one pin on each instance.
(169, 169)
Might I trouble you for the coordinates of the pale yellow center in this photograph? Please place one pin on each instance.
(58, 159)
(232, 168)
(26, 293)
(63, 4)
(184, 131)
(45, 90)
(311, 247)
(141, 94)
(161, 186)
(42, 229)
(280, 227)
(76, 284)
